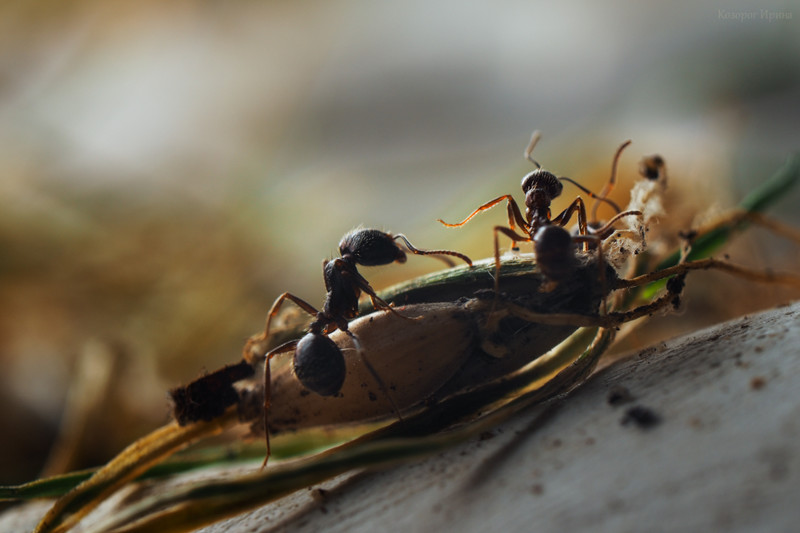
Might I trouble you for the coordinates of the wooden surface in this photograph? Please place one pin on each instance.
(723, 456)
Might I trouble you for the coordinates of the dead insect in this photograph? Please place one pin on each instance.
(540, 188)
(318, 362)
(652, 167)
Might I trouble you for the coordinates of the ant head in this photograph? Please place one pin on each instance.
(370, 247)
(555, 252)
(541, 182)
(319, 364)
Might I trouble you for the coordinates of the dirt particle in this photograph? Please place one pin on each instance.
(318, 495)
(641, 416)
(619, 395)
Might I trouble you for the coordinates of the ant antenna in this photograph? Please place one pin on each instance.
(591, 194)
(609, 186)
(439, 254)
(529, 149)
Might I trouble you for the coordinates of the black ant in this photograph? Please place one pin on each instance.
(540, 188)
(318, 363)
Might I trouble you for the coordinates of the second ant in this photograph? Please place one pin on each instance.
(318, 362)
(541, 188)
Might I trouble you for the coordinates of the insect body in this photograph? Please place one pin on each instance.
(453, 346)
(541, 188)
(318, 362)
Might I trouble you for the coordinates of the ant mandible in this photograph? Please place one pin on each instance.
(318, 363)
(540, 188)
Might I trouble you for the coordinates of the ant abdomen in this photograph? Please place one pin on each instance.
(555, 252)
(319, 364)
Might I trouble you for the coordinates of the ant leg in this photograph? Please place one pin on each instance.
(514, 214)
(302, 304)
(484, 207)
(417, 251)
(254, 346)
(784, 230)
(515, 237)
(710, 263)
(283, 348)
(610, 320)
(562, 218)
(609, 186)
(359, 282)
(384, 389)
(739, 216)
(379, 303)
(606, 231)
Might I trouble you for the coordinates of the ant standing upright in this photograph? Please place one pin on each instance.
(540, 188)
(318, 363)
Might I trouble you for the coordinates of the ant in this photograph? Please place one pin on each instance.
(540, 188)
(318, 363)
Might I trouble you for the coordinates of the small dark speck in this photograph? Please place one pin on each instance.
(758, 383)
(486, 435)
(758, 349)
(304, 393)
(642, 417)
(618, 395)
(318, 495)
(537, 490)
(372, 396)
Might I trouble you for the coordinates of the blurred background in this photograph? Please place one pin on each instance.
(168, 169)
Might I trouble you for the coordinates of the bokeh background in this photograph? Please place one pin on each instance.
(168, 168)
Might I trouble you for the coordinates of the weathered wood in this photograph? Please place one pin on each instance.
(724, 457)
(723, 454)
